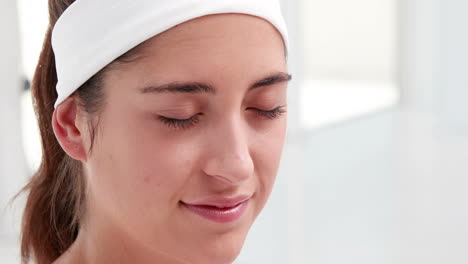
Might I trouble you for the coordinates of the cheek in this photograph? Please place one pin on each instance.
(269, 143)
(266, 152)
(138, 171)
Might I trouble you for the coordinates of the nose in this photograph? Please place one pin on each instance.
(228, 155)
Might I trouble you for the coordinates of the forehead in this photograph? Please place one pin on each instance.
(220, 35)
(219, 26)
(217, 49)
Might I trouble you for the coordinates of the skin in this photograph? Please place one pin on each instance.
(140, 167)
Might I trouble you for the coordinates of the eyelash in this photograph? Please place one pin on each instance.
(180, 123)
(271, 114)
(189, 122)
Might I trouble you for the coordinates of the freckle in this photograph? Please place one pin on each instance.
(147, 179)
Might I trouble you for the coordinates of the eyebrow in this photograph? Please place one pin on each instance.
(197, 87)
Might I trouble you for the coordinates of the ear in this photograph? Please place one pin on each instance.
(69, 128)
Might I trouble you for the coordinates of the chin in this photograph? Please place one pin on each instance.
(224, 256)
(221, 251)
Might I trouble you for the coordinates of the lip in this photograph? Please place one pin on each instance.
(221, 209)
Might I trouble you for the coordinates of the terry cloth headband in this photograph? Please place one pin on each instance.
(90, 34)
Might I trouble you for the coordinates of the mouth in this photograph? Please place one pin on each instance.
(219, 210)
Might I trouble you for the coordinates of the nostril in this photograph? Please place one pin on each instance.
(225, 179)
(231, 167)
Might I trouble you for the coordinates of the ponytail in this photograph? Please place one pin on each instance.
(56, 190)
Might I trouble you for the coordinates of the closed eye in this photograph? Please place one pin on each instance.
(193, 120)
(180, 123)
(271, 114)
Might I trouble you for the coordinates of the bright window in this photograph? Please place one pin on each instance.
(348, 57)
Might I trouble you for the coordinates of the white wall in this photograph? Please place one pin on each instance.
(12, 164)
(433, 171)
(452, 66)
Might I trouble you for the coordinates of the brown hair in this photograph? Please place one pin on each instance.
(56, 196)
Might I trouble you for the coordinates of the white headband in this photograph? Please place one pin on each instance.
(90, 34)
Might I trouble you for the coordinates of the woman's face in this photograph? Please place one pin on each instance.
(197, 119)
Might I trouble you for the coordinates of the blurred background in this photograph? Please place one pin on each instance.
(375, 169)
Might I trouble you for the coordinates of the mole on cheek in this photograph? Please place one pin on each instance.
(147, 179)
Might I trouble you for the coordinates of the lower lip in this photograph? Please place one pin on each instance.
(219, 215)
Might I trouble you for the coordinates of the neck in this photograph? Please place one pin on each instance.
(104, 242)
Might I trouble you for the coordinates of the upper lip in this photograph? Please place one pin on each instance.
(221, 202)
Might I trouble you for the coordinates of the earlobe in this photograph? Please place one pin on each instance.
(65, 123)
